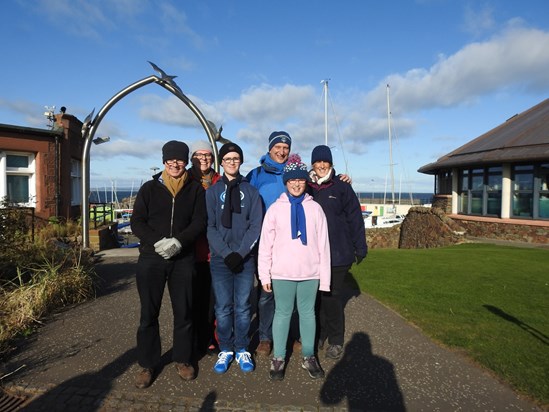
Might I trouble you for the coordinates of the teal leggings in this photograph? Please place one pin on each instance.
(285, 294)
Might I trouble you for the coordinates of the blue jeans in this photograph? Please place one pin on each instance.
(265, 313)
(286, 294)
(232, 303)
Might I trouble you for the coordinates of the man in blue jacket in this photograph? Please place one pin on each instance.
(267, 178)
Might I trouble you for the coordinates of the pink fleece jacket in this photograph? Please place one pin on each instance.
(281, 257)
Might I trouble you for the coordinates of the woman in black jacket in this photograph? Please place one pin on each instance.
(347, 243)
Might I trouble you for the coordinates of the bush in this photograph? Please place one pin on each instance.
(40, 276)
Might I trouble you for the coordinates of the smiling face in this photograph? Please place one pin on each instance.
(321, 168)
(280, 152)
(296, 187)
(231, 165)
(202, 160)
(175, 167)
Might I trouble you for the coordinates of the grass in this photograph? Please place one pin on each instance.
(490, 302)
(39, 277)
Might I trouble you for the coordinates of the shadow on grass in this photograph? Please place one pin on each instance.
(510, 318)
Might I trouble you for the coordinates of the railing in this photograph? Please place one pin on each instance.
(101, 213)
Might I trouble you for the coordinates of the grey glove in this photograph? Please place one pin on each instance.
(167, 247)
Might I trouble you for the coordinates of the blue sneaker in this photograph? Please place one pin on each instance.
(224, 360)
(245, 361)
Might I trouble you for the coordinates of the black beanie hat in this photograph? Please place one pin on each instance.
(175, 150)
(322, 153)
(231, 147)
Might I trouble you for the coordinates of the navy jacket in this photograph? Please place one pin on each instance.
(345, 223)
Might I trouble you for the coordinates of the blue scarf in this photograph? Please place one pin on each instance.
(271, 166)
(299, 223)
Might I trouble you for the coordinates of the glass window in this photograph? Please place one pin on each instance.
(17, 161)
(480, 192)
(76, 182)
(522, 204)
(18, 185)
(18, 189)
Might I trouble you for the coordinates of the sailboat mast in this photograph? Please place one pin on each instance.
(325, 82)
(390, 147)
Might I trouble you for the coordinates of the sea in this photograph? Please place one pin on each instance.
(109, 196)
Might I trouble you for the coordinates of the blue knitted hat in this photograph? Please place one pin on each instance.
(322, 153)
(279, 137)
(295, 169)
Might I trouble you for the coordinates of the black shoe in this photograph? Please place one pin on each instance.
(321, 343)
(144, 378)
(334, 351)
(277, 369)
(310, 364)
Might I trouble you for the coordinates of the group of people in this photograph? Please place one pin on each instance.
(210, 237)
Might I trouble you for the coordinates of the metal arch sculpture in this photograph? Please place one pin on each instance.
(90, 126)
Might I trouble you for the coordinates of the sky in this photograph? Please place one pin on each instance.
(455, 70)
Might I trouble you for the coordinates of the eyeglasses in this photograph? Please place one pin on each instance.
(203, 156)
(175, 162)
(232, 160)
(296, 182)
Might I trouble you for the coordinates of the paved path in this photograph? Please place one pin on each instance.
(83, 359)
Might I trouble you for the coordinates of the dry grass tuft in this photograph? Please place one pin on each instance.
(51, 275)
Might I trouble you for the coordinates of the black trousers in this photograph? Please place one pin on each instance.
(203, 308)
(332, 315)
(152, 274)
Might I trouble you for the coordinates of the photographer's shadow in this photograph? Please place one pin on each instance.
(367, 381)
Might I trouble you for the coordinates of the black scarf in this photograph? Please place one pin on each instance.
(232, 200)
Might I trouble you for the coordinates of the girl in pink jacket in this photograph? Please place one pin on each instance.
(294, 263)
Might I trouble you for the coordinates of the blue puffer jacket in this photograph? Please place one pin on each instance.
(345, 223)
(267, 178)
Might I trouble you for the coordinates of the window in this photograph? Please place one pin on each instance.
(480, 191)
(18, 186)
(542, 188)
(523, 194)
(76, 182)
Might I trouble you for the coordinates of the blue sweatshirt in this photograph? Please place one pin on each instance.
(246, 226)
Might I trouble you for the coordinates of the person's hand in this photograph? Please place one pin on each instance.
(345, 178)
(359, 259)
(159, 246)
(167, 247)
(234, 262)
(267, 287)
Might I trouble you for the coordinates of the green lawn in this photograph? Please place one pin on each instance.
(490, 301)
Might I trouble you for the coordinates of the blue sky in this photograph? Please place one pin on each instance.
(456, 69)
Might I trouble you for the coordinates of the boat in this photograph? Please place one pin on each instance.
(379, 222)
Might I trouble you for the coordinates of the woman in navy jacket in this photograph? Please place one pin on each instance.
(347, 243)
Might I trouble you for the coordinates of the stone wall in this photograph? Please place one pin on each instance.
(380, 238)
(429, 227)
(506, 231)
